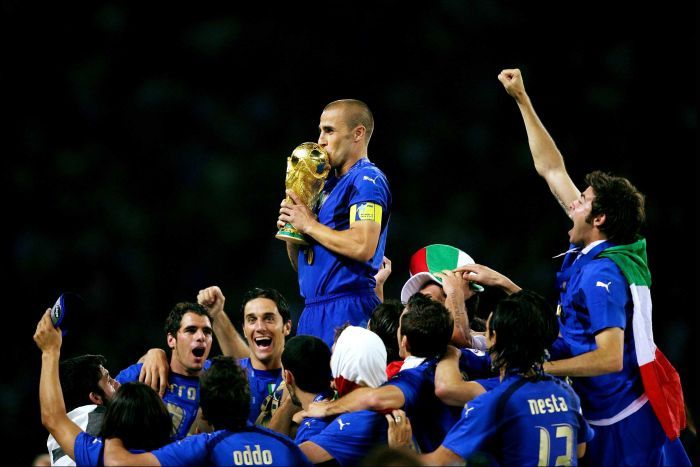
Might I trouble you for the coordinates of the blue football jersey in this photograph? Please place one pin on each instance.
(594, 295)
(262, 384)
(538, 424)
(430, 418)
(181, 397)
(331, 273)
(351, 436)
(250, 446)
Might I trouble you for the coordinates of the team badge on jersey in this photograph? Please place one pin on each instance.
(366, 212)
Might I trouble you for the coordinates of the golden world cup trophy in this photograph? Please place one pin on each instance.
(307, 170)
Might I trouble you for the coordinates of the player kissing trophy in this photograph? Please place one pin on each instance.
(307, 170)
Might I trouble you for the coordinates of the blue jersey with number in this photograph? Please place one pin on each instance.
(331, 273)
(251, 446)
(539, 424)
(430, 418)
(594, 295)
(181, 397)
(262, 384)
(351, 436)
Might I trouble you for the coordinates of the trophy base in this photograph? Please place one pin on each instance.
(291, 235)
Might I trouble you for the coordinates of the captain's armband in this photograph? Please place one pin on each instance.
(366, 212)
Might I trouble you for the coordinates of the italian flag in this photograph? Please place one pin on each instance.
(662, 384)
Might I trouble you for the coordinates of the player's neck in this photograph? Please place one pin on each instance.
(270, 365)
(348, 164)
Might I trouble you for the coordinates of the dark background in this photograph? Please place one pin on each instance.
(145, 151)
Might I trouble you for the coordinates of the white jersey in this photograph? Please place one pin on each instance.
(89, 419)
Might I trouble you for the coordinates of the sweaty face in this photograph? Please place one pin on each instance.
(108, 385)
(265, 331)
(579, 212)
(335, 136)
(434, 292)
(191, 345)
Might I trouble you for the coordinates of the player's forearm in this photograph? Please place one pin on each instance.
(50, 392)
(461, 333)
(229, 339)
(351, 243)
(450, 388)
(548, 161)
(594, 363)
(281, 420)
(293, 255)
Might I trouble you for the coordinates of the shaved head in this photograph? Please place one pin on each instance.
(356, 113)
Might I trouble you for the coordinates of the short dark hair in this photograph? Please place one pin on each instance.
(138, 416)
(224, 394)
(384, 323)
(427, 325)
(271, 294)
(622, 204)
(174, 319)
(308, 358)
(79, 377)
(525, 326)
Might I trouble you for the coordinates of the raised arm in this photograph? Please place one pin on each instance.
(231, 342)
(454, 287)
(486, 276)
(53, 407)
(381, 277)
(549, 162)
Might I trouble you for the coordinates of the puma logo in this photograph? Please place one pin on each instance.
(307, 424)
(342, 425)
(373, 180)
(467, 410)
(605, 286)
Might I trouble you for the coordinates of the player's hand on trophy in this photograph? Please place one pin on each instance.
(296, 213)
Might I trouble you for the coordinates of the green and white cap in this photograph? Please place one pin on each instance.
(429, 260)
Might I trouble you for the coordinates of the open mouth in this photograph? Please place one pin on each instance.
(263, 342)
(198, 352)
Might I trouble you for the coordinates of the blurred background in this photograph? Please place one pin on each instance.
(145, 150)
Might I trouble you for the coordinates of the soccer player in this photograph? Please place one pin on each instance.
(347, 230)
(530, 418)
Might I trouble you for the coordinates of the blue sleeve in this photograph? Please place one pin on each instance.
(191, 450)
(605, 290)
(474, 429)
(370, 186)
(409, 382)
(476, 363)
(351, 436)
(560, 349)
(129, 374)
(310, 427)
(489, 383)
(87, 449)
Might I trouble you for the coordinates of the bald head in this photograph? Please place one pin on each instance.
(356, 113)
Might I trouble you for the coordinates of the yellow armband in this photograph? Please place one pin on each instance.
(366, 212)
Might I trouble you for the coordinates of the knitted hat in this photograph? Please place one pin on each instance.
(429, 260)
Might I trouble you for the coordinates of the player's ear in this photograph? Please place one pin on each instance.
(599, 220)
(95, 398)
(359, 132)
(287, 327)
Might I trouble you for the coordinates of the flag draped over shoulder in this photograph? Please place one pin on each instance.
(662, 384)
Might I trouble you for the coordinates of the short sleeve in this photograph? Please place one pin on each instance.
(191, 450)
(474, 429)
(606, 294)
(370, 186)
(129, 374)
